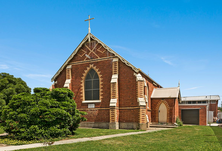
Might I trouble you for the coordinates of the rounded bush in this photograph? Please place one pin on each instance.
(42, 115)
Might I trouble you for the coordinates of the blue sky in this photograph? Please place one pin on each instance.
(173, 41)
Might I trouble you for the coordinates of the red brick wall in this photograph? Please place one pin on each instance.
(127, 88)
(105, 69)
(202, 112)
(176, 109)
(127, 95)
(151, 87)
(61, 79)
(129, 115)
(99, 52)
(96, 115)
(101, 111)
(127, 85)
(214, 107)
(170, 104)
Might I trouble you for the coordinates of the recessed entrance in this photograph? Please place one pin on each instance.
(162, 113)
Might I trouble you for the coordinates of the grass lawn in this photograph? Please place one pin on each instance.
(218, 133)
(181, 138)
(83, 132)
(80, 133)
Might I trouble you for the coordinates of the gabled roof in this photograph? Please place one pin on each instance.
(91, 36)
(166, 93)
(201, 98)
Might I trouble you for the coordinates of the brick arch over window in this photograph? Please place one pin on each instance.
(86, 71)
(157, 110)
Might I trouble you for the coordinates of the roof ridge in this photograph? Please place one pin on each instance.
(200, 96)
(169, 88)
(90, 35)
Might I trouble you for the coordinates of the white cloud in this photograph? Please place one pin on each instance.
(119, 47)
(128, 51)
(167, 61)
(17, 69)
(193, 88)
(3, 66)
(38, 76)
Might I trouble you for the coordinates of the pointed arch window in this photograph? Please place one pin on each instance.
(92, 85)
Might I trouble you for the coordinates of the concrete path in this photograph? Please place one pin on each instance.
(214, 124)
(7, 148)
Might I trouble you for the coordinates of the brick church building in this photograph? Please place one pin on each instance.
(113, 92)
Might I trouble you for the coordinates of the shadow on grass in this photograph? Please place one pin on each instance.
(218, 133)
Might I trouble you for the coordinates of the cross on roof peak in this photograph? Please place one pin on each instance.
(89, 31)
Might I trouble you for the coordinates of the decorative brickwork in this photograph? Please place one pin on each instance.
(113, 114)
(142, 115)
(68, 77)
(141, 101)
(113, 91)
(140, 88)
(68, 72)
(169, 103)
(83, 82)
(115, 67)
(125, 91)
(114, 110)
(114, 83)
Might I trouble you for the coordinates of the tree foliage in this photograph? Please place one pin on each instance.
(10, 86)
(179, 122)
(42, 115)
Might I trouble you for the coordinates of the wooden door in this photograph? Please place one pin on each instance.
(162, 113)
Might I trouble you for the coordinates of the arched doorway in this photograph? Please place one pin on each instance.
(162, 113)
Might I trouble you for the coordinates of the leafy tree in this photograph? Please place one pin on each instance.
(10, 86)
(42, 115)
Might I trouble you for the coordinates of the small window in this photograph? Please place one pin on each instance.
(189, 102)
(204, 102)
(92, 85)
(213, 102)
(193, 102)
(199, 102)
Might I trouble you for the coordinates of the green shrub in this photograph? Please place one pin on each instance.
(179, 122)
(42, 115)
(10, 86)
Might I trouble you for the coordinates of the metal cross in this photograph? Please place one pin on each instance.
(89, 23)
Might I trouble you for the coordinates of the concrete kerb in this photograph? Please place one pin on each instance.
(8, 148)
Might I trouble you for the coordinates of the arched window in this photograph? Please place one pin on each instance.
(92, 85)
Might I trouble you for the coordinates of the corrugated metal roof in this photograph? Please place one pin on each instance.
(201, 98)
(166, 92)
